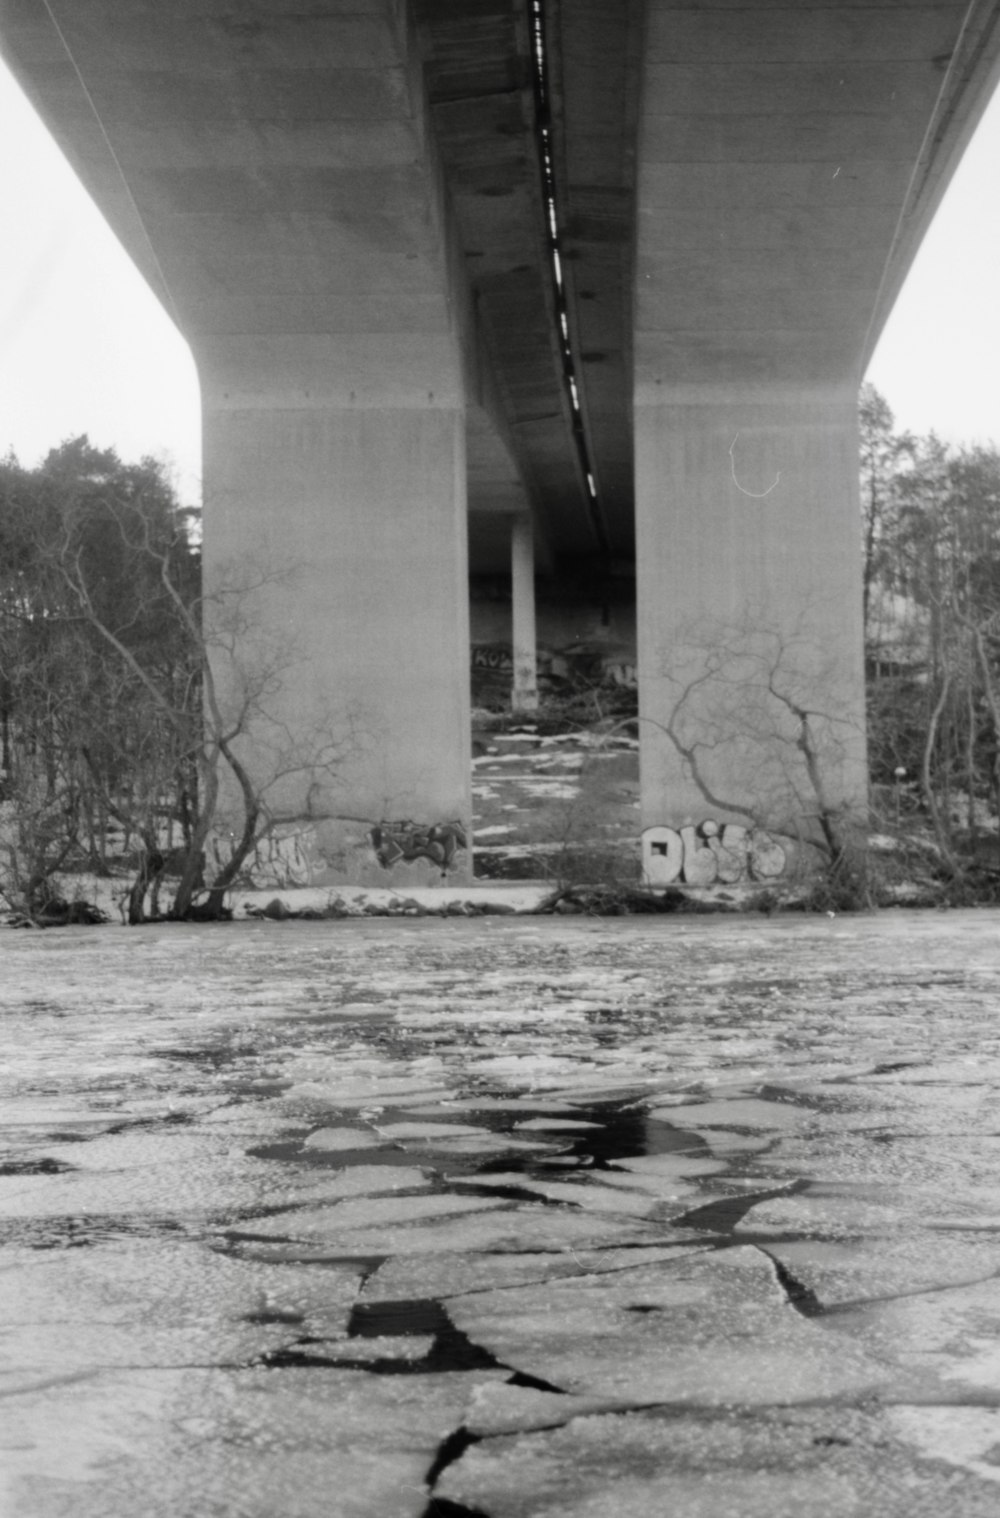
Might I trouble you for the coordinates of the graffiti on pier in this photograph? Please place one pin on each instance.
(710, 854)
(284, 857)
(405, 841)
(498, 658)
(578, 665)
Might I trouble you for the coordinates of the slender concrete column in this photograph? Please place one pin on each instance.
(750, 646)
(524, 696)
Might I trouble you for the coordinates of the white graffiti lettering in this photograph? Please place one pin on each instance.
(492, 656)
(710, 854)
(285, 857)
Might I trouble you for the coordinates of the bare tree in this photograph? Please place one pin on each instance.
(127, 694)
(934, 695)
(884, 457)
(763, 728)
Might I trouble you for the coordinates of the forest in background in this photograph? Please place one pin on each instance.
(930, 520)
(125, 695)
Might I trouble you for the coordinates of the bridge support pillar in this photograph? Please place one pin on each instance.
(524, 695)
(751, 675)
(335, 509)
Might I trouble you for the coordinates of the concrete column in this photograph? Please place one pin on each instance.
(751, 677)
(325, 303)
(335, 487)
(524, 695)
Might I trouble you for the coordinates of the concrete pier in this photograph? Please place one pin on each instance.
(750, 650)
(524, 695)
(348, 516)
(787, 165)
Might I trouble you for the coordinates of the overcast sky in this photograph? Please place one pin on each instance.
(84, 346)
(938, 360)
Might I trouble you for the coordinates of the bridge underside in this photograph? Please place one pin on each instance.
(445, 270)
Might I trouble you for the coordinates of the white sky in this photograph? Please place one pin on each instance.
(85, 347)
(938, 359)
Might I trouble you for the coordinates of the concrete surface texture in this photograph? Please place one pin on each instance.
(750, 637)
(524, 1219)
(328, 348)
(617, 266)
(785, 168)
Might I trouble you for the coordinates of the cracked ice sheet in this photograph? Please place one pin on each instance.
(398, 1347)
(369, 1088)
(154, 1302)
(189, 1165)
(344, 1139)
(375, 1099)
(499, 1408)
(719, 1332)
(967, 1437)
(356, 1213)
(555, 1125)
(155, 1176)
(583, 1087)
(324, 1443)
(938, 1112)
(502, 1230)
(665, 1168)
(815, 1462)
(723, 1144)
(950, 1073)
(910, 1260)
(487, 1143)
(959, 1168)
(512, 1104)
(834, 1209)
(409, 1130)
(944, 1340)
(372, 1180)
(522, 1068)
(662, 1186)
(591, 1196)
(831, 1216)
(749, 1112)
(445, 1276)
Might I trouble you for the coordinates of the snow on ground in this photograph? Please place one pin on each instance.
(110, 896)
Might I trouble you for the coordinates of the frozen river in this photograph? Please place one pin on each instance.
(505, 1217)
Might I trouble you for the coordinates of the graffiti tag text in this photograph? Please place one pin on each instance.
(439, 842)
(707, 854)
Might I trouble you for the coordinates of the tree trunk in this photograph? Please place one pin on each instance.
(941, 832)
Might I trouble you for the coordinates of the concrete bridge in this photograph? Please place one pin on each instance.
(470, 284)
